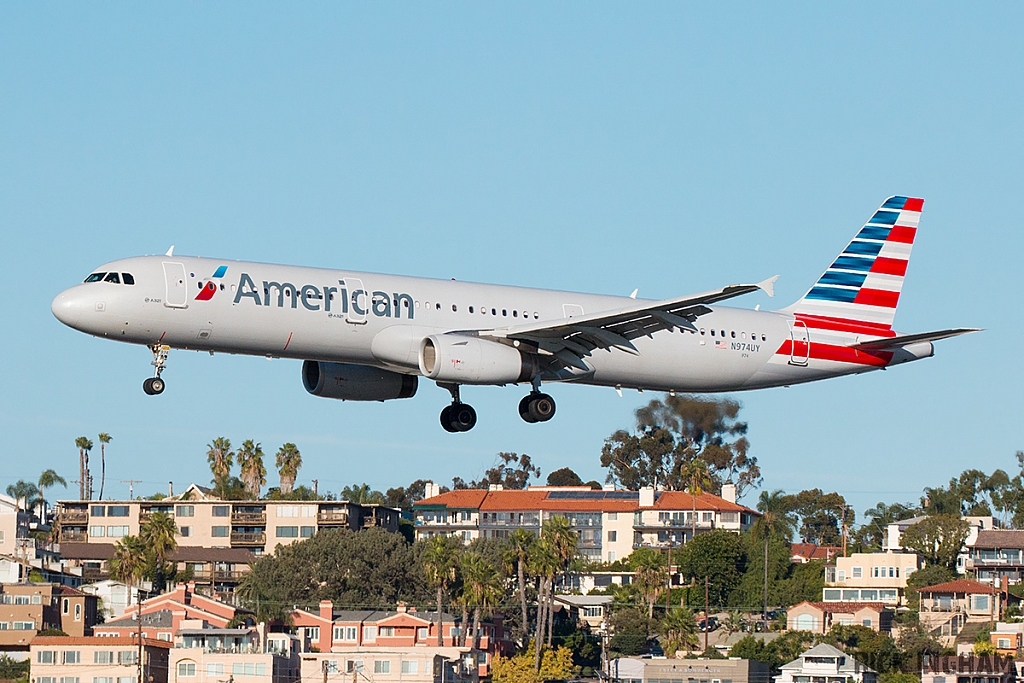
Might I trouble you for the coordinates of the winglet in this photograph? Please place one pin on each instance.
(170, 252)
(768, 286)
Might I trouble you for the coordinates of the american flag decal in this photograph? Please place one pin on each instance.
(721, 344)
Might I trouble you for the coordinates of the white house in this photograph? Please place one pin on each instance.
(824, 662)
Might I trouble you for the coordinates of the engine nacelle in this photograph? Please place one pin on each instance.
(356, 382)
(470, 360)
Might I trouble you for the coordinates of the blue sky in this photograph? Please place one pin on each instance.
(601, 147)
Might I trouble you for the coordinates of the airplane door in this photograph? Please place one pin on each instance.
(572, 310)
(800, 343)
(177, 290)
(359, 301)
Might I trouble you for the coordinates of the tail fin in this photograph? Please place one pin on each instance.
(863, 284)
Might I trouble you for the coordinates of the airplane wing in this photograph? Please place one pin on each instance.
(906, 339)
(572, 338)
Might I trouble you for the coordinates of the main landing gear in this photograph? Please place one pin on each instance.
(537, 407)
(154, 385)
(459, 416)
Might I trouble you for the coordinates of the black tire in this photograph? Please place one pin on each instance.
(463, 417)
(156, 385)
(524, 410)
(446, 419)
(147, 386)
(542, 407)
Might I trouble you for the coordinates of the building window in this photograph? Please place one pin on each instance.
(410, 667)
(98, 511)
(100, 657)
(187, 669)
(102, 679)
(214, 669)
(23, 625)
(307, 531)
(66, 607)
(806, 622)
(351, 633)
(312, 633)
(117, 511)
(369, 634)
(1003, 643)
(613, 536)
(97, 531)
(354, 666)
(382, 666)
(421, 634)
(287, 510)
(841, 575)
(593, 612)
(117, 531)
(185, 511)
(46, 657)
(287, 532)
(221, 510)
(126, 657)
(979, 602)
(219, 532)
(338, 633)
(78, 611)
(866, 622)
(857, 573)
(185, 531)
(248, 669)
(387, 631)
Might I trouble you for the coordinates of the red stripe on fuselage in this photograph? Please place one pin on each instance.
(901, 233)
(839, 354)
(889, 266)
(877, 297)
(821, 322)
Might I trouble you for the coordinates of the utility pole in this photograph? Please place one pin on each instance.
(316, 483)
(131, 486)
(707, 615)
(668, 593)
(764, 614)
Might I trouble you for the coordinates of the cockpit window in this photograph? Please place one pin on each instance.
(127, 278)
(95, 277)
(113, 277)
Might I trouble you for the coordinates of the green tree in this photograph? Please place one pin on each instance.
(650, 577)
(930, 575)
(674, 430)
(820, 515)
(104, 439)
(564, 477)
(518, 556)
(84, 446)
(289, 460)
(698, 478)
(871, 534)
(221, 459)
(511, 470)
(483, 586)
(403, 497)
(362, 494)
(128, 565)
(678, 631)
(159, 535)
(440, 561)
(718, 556)
(253, 471)
(631, 628)
(24, 493)
(49, 479)
(938, 539)
(776, 521)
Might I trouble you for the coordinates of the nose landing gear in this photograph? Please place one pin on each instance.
(537, 407)
(155, 385)
(459, 416)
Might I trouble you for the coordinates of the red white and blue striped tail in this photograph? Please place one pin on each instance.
(863, 284)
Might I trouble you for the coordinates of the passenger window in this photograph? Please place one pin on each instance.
(494, 311)
(702, 331)
(95, 277)
(536, 315)
(764, 338)
(712, 333)
(454, 308)
(733, 333)
(470, 309)
(438, 307)
(504, 312)
(113, 277)
(483, 310)
(515, 314)
(127, 278)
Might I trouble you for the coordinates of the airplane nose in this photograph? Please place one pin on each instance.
(67, 308)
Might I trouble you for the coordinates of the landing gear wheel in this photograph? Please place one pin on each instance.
(524, 409)
(462, 417)
(446, 419)
(153, 386)
(537, 407)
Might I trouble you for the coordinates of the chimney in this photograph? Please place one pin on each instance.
(729, 492)
(608, 487)
(430, 490)
(647, 497)
(170, 489)
(402, 607)
(495, 487)
(327, 610)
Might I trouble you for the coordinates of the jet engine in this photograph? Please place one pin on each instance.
(470, 360)
(356, 382)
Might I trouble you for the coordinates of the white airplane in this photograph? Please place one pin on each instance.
(369, 337)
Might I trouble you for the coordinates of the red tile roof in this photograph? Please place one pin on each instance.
(681, 500)
(462, 499)
(959, 586)
(847, 607)
(508, 500)
(813, 551)
(999, 538)
(516, 500)
(97, 640)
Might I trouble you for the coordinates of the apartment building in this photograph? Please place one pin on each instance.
(13, 527)
(820, 617)
(700, 670)
(204, 521)
(27, 608)
(870, 577)
(71, 659)
(214, 655)
(420, 664)
(164, 615)
(995, 555)
(893, 537)
(610, 523)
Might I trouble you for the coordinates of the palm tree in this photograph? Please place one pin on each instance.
(440, 565)
(544, 565)
(129, 565)
(84, 446)
(221, 458)
(289, 460)
(776, 519)
(362, 494)
(158, 535)
(483, 588)
(254, 473)
(679, 631)
(564, 543)
(649, 579)
(104, 439)
(517, 554)
(698, 478)
(23, 491)
(734, 622)
(49, 479)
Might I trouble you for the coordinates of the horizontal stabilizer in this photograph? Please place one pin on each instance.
(907, 339)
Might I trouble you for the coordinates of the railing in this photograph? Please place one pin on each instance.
(674, 525)
(91, 574)
(76, 517)
(370, 522)
(74, 536)
(248, 518)
(240, 538)
(226, 575)
(332, 517)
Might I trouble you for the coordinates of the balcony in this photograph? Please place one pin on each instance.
(73, 517)
(249, 518)
(332, 518)
(74, 537)
(248, 539)
(93, 574)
